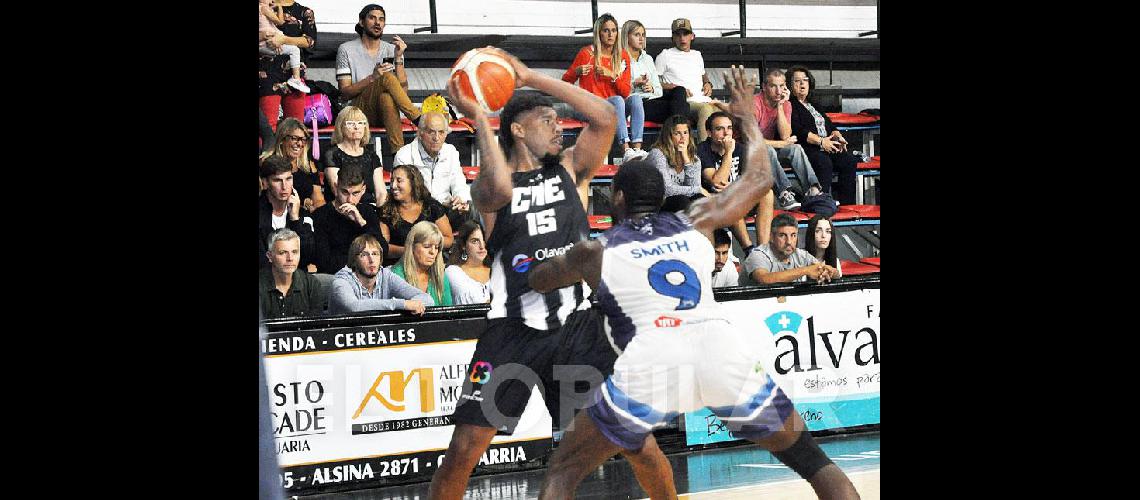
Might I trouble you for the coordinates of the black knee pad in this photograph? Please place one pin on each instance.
(804, 456)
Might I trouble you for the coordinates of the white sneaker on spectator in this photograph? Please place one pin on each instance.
(814, 190)
(633, 154)
(787, 201)
(298, 84)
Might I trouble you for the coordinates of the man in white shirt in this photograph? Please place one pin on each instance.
(724, 269)
(438, 162)
(680, 66)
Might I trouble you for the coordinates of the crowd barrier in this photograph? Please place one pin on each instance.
(365, 401)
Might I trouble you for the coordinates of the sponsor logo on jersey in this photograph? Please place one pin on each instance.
(521, 263)
(667, 322)
(481, 372)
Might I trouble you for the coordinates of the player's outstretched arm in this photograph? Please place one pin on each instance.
(582, 262)
(594, 142)
(732, 204)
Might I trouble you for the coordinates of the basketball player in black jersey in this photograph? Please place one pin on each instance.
(528, 194)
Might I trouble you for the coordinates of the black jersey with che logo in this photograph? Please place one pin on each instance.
(544, 219)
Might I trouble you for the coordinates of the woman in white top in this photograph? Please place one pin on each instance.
(647, 100)
(467, 268)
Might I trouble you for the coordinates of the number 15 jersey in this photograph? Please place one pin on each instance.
(656, 274)
(544, 219)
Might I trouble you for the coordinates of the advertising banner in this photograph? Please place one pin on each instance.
(373, 404)
(824, 353)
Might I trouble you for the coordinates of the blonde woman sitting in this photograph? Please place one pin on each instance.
(422, 265)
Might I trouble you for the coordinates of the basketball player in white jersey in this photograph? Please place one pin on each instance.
(652, 273)
(527, 192)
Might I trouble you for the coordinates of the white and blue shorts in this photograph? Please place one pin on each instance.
(664, 372)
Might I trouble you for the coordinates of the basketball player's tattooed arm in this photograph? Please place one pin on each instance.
(582, 262)
(732, 204)
(492, 189)
(588, 153)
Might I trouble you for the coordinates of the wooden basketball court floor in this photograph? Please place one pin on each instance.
(722, 473)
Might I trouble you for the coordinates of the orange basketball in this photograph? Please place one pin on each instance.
(485, 77)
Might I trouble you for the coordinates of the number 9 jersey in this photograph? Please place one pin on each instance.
(656, 274)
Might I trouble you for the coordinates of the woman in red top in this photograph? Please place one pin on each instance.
(603, 70)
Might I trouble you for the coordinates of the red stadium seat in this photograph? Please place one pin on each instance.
(869, 165)
(852, 119)
(606, 171)
(470, 173)
(874, 261)
(864, 211)
(387, 177)
(601, 222)
(844, 214)
(854, 268)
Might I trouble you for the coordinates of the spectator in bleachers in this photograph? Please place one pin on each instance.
(647, 100)
(777, 130)
(820, 242)
(675, 155)
(438, 163)
(824, 145)
(603, 69)
(337, 224)
(365, 285)
(724, 269)
(267, 23)
(681, 66)
(370, 71)
(292, 142)
(279, 206)
(422, 263)
(284, 289)
(352, 145)
(720, 165)
(468, 270)
(273, 73)
(781, 262)
(409, 203)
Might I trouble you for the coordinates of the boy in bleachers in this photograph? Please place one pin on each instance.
(681, 66)
(724, 268)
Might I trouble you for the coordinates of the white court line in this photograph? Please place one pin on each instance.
(773, 483)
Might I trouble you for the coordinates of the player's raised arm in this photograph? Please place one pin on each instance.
(582, 262)
(492, 189)
(732, 204)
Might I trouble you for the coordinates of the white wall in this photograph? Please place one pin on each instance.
(775, 18)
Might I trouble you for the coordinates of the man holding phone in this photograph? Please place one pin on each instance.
(370, 72)
(777, 129)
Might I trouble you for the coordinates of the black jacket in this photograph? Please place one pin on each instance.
(803, 122)
(333, 234)
(265, 228)
(306, 296)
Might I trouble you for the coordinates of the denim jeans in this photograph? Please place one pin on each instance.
(636, 108)
(619, 108)
(801, 167)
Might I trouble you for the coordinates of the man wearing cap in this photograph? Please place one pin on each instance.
(680, 66)
(370, 71)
